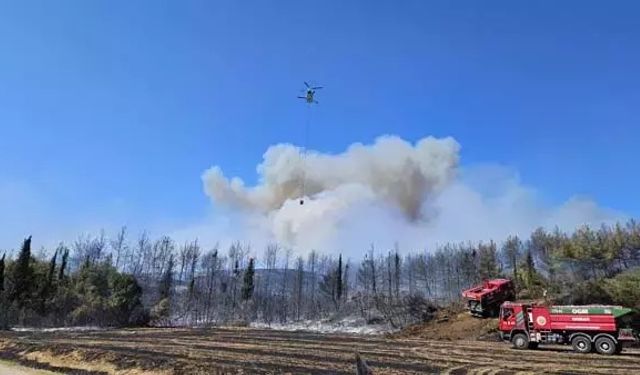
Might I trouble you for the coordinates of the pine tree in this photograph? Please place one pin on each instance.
(23, 275)
(512, 249)
(247, 287)
(161, 311)
(488, 267)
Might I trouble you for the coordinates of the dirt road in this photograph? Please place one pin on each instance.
(252, 351)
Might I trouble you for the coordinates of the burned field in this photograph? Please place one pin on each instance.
(252, 351)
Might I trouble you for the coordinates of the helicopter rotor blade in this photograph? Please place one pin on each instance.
(306, 84)
(317, 87)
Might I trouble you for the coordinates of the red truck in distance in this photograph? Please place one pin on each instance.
(484, 300)
(599, 328)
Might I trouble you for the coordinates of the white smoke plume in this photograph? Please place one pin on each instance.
(389, 191)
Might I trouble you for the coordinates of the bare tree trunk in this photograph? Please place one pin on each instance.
(345, 281)
(283, 289)
(312, 265)
(389, 278)
(119, 246)
(299, 286)
(141, 250)
(374, 275)
(397, 272)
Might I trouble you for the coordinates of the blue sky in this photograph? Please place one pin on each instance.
(110, 111)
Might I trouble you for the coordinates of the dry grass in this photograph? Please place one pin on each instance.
(252, 351)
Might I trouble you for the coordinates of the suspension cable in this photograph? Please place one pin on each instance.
(304, 154)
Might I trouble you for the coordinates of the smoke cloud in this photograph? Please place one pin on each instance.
(386, 192)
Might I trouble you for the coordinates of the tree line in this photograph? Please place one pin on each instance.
(122, 281)
(41, 292)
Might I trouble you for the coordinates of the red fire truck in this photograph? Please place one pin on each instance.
(586, 328)
(484, 300)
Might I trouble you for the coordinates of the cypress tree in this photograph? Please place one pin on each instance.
(345, 282)
(52, 269)
(22, 275)
(339, 279)
(389, 278)
(166, 283)
(236, 268)
(372, 266)
(47, 287)
(192, 287)
(247, 287)
(530, 266)
(2, 274)
(4, 323)
(63, 264)
(397, 274)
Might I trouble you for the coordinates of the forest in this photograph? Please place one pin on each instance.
(120, 281)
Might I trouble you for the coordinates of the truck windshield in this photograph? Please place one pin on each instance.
(506, 313)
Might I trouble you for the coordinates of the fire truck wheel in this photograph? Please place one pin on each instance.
(581, 344)
(520, 341)
(605, 345)
(619, 348)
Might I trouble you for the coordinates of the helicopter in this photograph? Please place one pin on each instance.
(309, 93)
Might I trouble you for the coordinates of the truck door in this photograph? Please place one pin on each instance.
(507, 319)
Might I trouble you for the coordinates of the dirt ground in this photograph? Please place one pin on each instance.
(7, 368)
(454, 325)
(253, 351)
